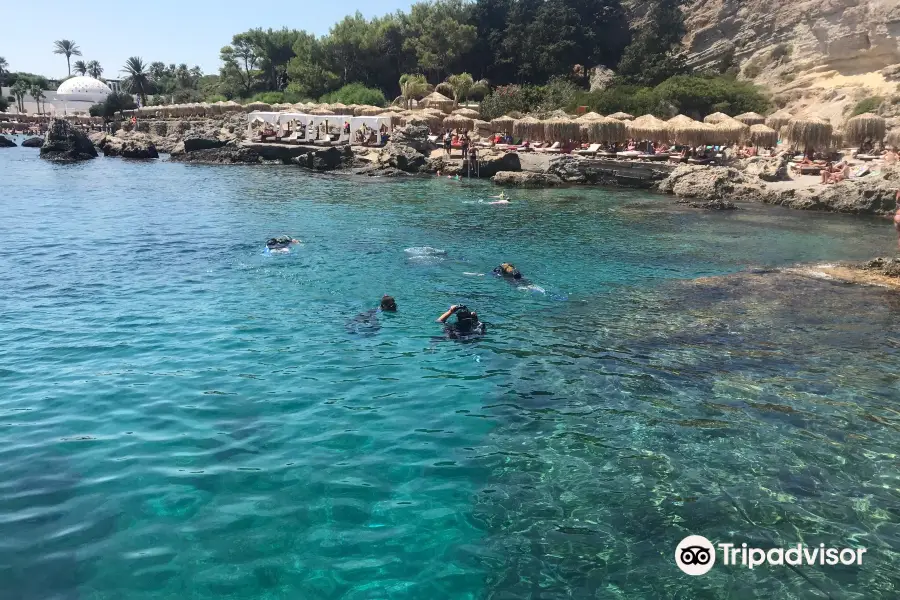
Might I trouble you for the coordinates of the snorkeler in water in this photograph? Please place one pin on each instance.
(500, 199)
(507, 271)
(281, 243)
(366, 323)
(467, 323)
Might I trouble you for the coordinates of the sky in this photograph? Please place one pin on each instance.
(171, 31)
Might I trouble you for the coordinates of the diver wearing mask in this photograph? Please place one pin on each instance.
(467, 323)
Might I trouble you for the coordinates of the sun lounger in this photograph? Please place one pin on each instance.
(628, 154)
(810, 169)
(591, 151)
(656, 157)
(552, 149)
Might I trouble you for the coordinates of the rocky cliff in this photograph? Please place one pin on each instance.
(817, 56)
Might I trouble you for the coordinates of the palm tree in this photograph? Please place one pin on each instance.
(80, 67)
(138, 80)
(94, 69)
(183, 76)
(461, 85)
(38, 94)
(412, 86)
(67, 47)
(4, 66)
(19, 90)
(157, 70)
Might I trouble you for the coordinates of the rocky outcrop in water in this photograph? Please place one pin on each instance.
(33, 142)
(717, 204)
(136, 145)
(67, 143)
(708, 183)
(526, 179)
(872, 194)
(5, 142)
(230, 154)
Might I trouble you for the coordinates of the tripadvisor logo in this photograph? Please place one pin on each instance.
(696, 555)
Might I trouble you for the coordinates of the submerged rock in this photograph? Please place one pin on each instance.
(889, 267)
(526, 179)
(33, 142)
(5, 142)
(66, 143)
(134, 146)
(716, 204)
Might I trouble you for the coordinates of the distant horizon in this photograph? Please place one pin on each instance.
(169, 32)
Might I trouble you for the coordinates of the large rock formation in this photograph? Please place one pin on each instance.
(136, 145)
(66, 143)
(407, 150)
(818, 56)
(708, 183)
(774, 168)
(5, 142)
(33, 142)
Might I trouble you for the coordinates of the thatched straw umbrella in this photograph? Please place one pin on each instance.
(282, 106)
(648, 127)
(503, 124)
(321, 112)
(730, 131)
(893, 139)
(467, 112)
(621, 116)
(716, 117)
(458, 122)
(837, 140)
(686, 131)
(483, 128)
(260, 106)
(778, 119)
(750, 118)
(338, 108)
(603, 129)
(233, 107)
(559, 129)
(865, 127)
(370, 111)
(528, 128)
(809, 133)
(437, 100)
(763, 135)
(589, 116)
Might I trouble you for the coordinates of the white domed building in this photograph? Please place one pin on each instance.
(78, 94)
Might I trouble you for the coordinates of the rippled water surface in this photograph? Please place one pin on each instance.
(183, 416)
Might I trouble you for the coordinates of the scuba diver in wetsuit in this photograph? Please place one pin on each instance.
(508, 271)
(280, 244)
(466, 325)
(366, 323)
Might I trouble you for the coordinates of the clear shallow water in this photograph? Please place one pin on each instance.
(183, 416)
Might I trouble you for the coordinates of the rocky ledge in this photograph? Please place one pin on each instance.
(5, 142)
(880, 272)
(135, 146)
(526, 179)
(763, 181)
(66, 143)
(33, 142)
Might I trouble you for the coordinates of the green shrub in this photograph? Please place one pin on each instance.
(865, 105)
(355, 93)
(215, 98)
(511, 98)
(268, 97)
(693, 95)
(114, 102)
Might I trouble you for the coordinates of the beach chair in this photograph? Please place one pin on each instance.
(433, 139)
(591, 151)
(554, 149)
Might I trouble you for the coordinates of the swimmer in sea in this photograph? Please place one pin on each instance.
(508, 271)
(281, 243)
(501, 199)
(366, 323)
(466, 325)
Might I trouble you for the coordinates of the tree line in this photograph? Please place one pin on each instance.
(500, 41)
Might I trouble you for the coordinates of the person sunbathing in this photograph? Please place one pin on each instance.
(826, 172)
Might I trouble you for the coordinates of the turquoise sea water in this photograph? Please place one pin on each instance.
(183, 416)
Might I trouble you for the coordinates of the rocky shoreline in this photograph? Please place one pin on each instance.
(223, 140)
